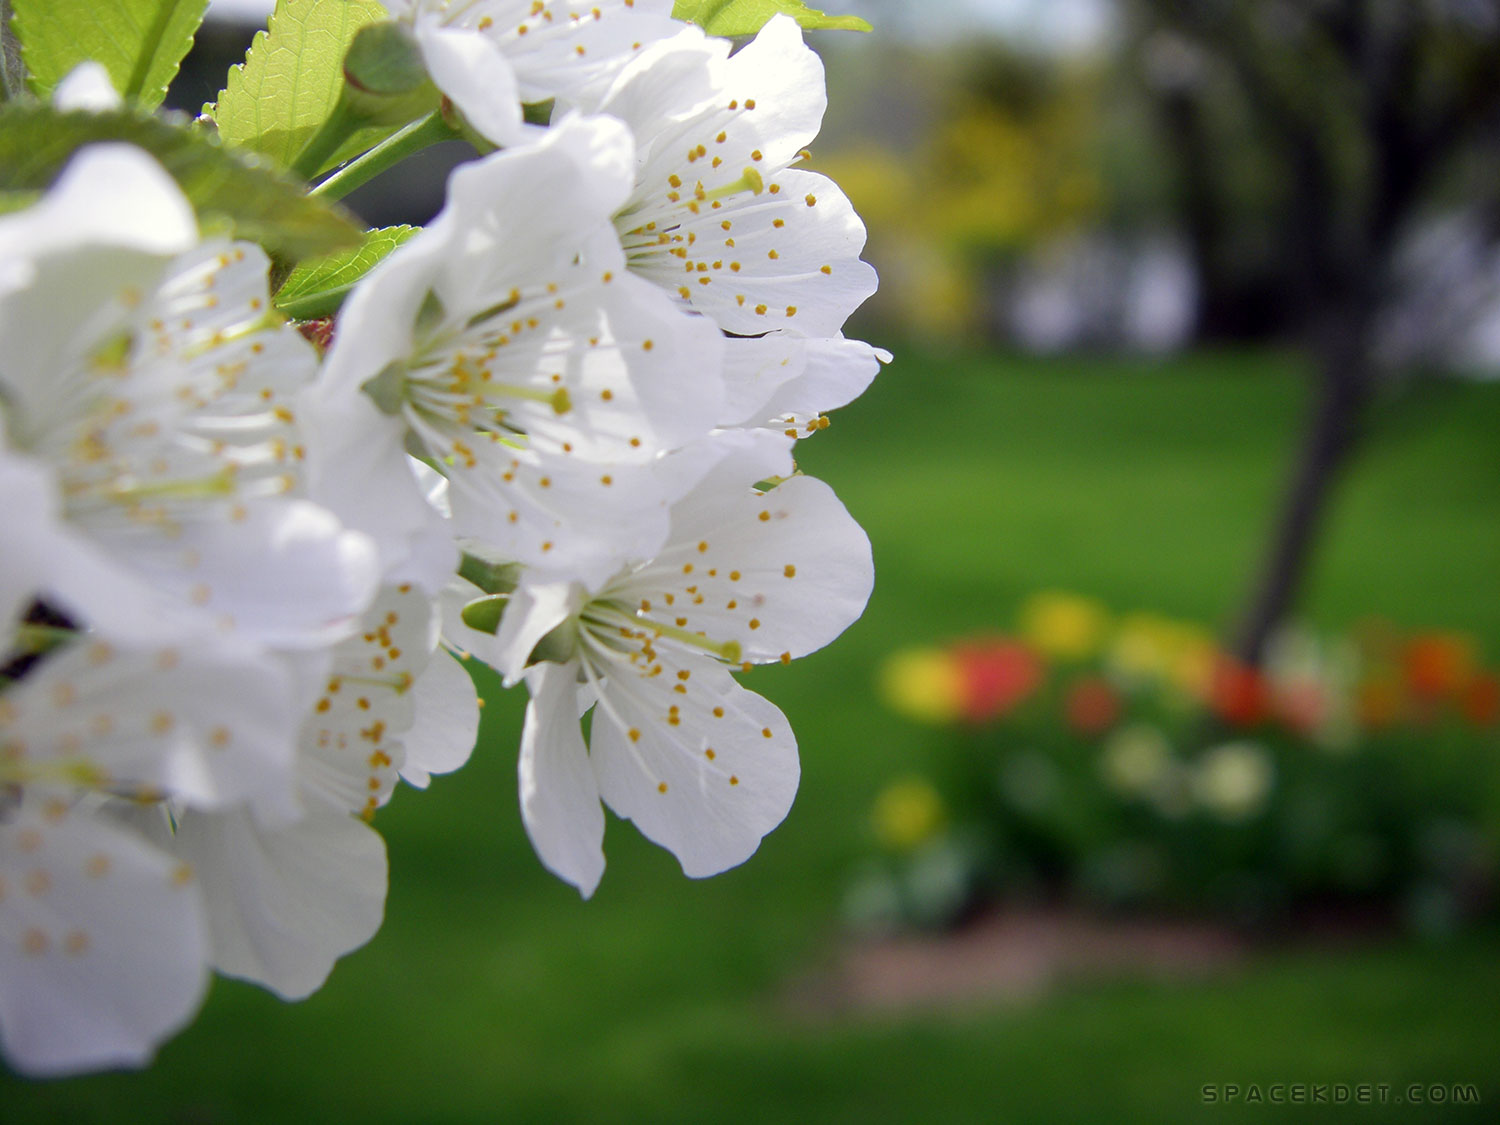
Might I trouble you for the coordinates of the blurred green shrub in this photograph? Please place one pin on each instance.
(1126, 761)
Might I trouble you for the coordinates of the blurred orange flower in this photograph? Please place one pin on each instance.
(1092, 706)
(1439, 665)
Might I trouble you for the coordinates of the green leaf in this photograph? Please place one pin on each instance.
(290, 81)
(732, 18)
(317, 288)
(258, 203)
(140, 42)
(17, 200)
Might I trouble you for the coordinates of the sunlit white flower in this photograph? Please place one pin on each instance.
(490, 56)
(103, 946)
(508, 343)
(146, 376)
(703, 766)
(718, 215)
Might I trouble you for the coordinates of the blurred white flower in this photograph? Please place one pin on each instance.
(87, 87)
(1233, 781)
(1134, 759)
(103, 943)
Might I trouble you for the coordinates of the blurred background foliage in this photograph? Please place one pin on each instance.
(1139, 259)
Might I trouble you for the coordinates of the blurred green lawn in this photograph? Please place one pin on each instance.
(494, 994)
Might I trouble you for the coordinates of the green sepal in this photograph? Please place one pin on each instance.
(491, 577)
(387, 388)
(384, 59)
(557, 647)
(483, 614)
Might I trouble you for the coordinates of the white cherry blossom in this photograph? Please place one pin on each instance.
(103, 946)
(285, 901)
(718, 214)
(155, 391)
(489, 56)
(508, 343)
(702, 765)
(103, 942)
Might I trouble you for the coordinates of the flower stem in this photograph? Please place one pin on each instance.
(389, 152)
(337, 127)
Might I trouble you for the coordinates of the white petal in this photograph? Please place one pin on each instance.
(87, 87)
(283, 905)
(357, 467)
(785, 381)
(559, 800)
(445, 723)
(549, 193)
(476, 75)
(102, 945)
(781, 573)
(39, 555)
(557, 51)
(803, 275)
(107, 195)
(785, 77)
(287, 574)
(381, 697)
(211, 727)
(534, 610)
(704, 784)
(562, 517)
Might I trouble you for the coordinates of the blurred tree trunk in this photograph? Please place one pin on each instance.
(1341, 391)
(1361, 105)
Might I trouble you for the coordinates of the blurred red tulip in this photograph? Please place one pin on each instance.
(996, 675)
(1238, 693)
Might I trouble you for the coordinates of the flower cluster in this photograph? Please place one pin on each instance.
(1099, 667)
(1132, 761)
(553, 430)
